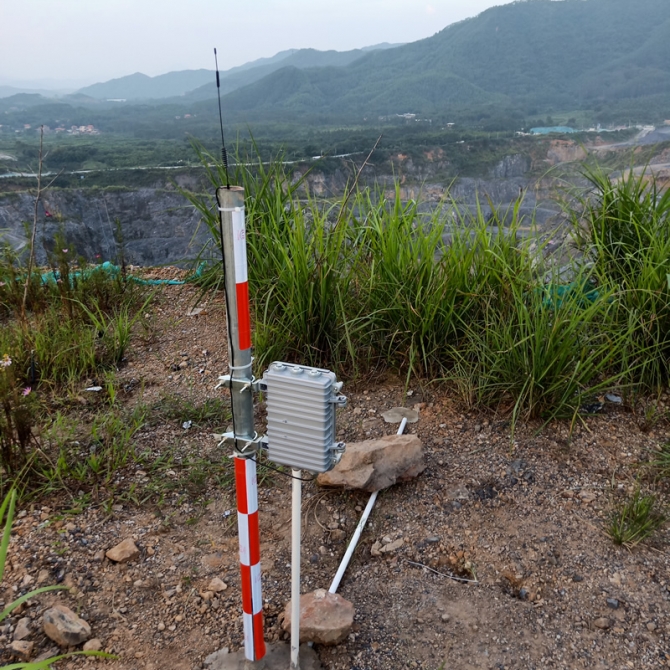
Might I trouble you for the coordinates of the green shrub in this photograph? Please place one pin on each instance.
(624, 229)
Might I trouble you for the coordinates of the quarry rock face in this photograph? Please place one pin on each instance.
(373, 465)
(155, 226)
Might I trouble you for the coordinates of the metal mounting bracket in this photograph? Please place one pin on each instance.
(244, 384)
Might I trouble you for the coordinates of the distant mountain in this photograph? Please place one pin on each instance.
(526, 57)
(300, 59)
(7, 91)
(139, 86)
(19, 101)
(201, 84)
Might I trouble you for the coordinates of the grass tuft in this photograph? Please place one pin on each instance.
(635, 520)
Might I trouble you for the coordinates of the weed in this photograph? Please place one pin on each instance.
(661, 461)
(210, 412)
(635, 520)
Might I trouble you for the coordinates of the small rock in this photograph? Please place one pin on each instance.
(21, 649)
(433, 540)
(325, 618)
(123, 552)
(22, 629)
(161, 626)
(377, 464)
(613, 603)
(397, 414)
(651, 626)
(577, 578)
(99, 556)
(587, 496)
(216, 659)
(446, 618)
(523, 594)
(64, 627)
(602, 622)
(338, 535)
(217, 585)
(388, 548)
(93, 645)
(47, 653)
(43, 576)
(375, 549)
(70, 527)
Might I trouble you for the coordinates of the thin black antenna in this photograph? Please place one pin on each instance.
(224, 153)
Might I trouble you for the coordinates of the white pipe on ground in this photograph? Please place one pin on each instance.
(357, 533)
(296, 504)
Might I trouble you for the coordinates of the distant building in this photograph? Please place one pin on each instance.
(552, 129)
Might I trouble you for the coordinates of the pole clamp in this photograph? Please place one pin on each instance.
(243, 446)
(240, 385)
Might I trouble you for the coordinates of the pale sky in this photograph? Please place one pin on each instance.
(85, 41)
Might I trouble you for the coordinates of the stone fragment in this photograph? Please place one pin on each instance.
(613, 603)
(373, 465)
(276, 658)
(397, 414)
(602, 622)
(43, 576)
(338, 535)
(217, 585)
(325, 618)
(93, 645)
(392, 546)
(47, 653)
(123, 552)
(587, 496)
(22, 629)
(64, 627)
(21, 649)
(376, 549)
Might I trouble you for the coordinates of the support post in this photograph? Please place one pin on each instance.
(234, 249)
(295, 568)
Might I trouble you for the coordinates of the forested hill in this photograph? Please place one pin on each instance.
(199, 84)
(527, 57)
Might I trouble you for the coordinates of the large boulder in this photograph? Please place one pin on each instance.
(64, 627)
(377, 464)
(325, 618)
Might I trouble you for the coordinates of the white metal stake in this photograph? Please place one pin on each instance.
(359, 529)
(295, 568)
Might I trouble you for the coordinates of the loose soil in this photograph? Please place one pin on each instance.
(524, 516)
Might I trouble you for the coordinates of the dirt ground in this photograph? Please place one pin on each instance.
(524, 517)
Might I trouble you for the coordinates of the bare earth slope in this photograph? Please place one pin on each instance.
(527, 515)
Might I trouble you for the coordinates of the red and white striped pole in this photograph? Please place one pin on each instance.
(250, 557)
(244, 438)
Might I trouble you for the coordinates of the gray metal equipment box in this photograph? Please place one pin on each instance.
(301, 404)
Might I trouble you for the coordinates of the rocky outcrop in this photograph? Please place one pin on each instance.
(155, 226)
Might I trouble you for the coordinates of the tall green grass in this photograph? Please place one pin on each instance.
(369, 282)
(623, 227)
